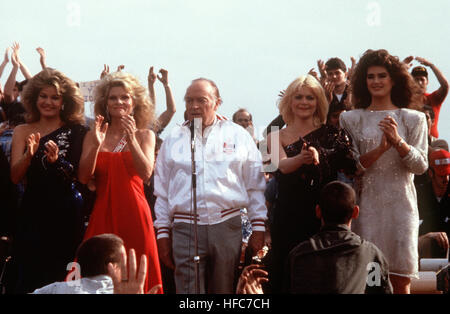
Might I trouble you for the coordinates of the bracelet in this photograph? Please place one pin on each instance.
(400, 143)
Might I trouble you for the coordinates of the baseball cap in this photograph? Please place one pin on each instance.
(440, 161)
(419, 71)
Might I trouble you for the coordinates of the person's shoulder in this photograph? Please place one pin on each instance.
(79, 128)
(302, 248)
(373, 249)
(48, 289)
(145, 133)
(352, 114)
(23, 129)
(413, 114)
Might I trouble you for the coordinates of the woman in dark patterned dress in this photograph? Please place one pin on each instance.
(45, 153)
(308, 154)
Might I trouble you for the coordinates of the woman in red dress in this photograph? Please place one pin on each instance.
(118, 153)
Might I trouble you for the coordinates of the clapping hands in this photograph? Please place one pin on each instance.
(32, 144)
(100, 129)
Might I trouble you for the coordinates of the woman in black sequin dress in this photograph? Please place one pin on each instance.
(308, 155)
(45, 153)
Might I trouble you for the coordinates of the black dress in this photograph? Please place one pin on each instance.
(50, 217)
(294, 218)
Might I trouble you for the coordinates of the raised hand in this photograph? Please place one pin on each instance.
(329, 89)
(6, 58)
(99, 133)
(42, 55)
(105, 71)
(120, 68)
(352, 68)
(163, 77)
(322, 69)
(314, 73)
(423, 61)
(282, 93)
(51, 151)
(128, 280)
(151, 76)
(408, 61)
(41, 52)
(129, 125)
(16, 47)
(32, 143)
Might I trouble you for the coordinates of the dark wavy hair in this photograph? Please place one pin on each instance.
(404, 89)
(73, 112)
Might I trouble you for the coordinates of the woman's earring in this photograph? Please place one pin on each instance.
(62, 107)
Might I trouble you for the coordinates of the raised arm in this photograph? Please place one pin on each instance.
(11, 82)
(23, 68)
(105, 71)
(443, 89)
(91, 146)
(4, 62)
(287, 164)
(166, 116)
(42, 58)
(151, 85)
(20, 161)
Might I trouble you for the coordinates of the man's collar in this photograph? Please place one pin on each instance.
(335, 227)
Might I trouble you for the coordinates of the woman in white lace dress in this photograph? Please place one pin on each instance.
(390, 143)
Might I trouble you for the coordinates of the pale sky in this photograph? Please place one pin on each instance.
(252, 49)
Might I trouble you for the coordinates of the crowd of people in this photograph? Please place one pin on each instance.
(361, 178)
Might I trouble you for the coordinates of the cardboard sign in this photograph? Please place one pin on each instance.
(87, 90)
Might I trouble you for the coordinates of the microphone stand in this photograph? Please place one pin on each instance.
(194, 193)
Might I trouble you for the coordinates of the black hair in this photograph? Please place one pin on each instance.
(337, 202)
(335, 63)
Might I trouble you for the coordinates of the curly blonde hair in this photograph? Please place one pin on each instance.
(144, 109)
(320, 116)
(73, 102)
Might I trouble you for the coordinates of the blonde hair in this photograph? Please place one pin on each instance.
(320, 116)
(73, 102)
(144, 109)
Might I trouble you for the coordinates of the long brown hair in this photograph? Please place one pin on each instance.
(73, 102)
(404, 89)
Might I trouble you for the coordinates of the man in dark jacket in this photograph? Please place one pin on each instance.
(336, 260)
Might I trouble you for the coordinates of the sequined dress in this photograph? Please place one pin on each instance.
(50, 217)
(294, 218)
(387, 196)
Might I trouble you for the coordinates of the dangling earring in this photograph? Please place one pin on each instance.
(62, 107)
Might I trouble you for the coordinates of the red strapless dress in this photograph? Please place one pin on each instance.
(122, 209)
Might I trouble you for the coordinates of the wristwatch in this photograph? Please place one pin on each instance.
(400, 143)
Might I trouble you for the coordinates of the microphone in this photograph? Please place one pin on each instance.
(192, 128)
